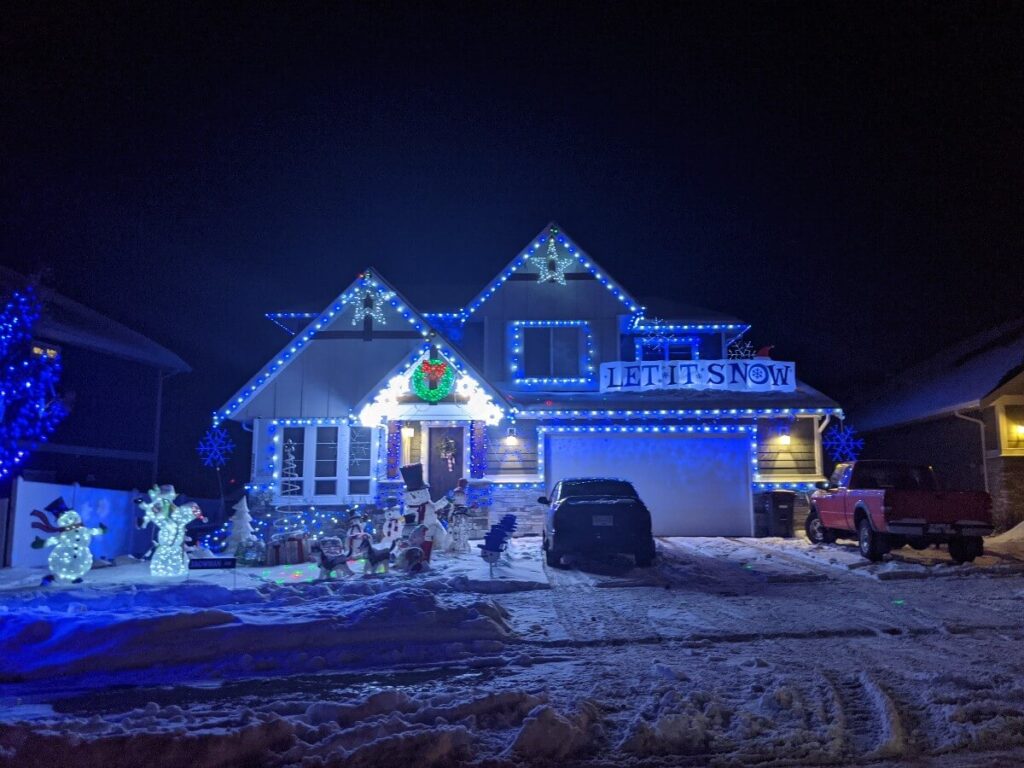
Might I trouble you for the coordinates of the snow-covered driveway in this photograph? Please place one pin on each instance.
(728, 652)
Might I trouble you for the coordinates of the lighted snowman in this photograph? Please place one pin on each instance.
(71, 558)
(417, 501)
(169, 558)
(394, 521)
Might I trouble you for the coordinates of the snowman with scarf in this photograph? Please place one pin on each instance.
(424, 511)
(71, 558)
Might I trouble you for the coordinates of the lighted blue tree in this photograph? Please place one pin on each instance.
(29, 373)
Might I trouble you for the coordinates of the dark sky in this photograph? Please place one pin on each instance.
(847, 177)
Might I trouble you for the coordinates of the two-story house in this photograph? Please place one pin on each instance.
(551, 371)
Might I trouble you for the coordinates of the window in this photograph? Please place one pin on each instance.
(325, 478)
(331, 462)
(548, 350)
(668, 348)
(359, 466)
(293, 454)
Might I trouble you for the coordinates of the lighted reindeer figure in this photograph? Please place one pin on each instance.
(169, 558)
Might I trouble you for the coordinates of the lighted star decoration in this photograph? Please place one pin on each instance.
(215, 448)
(741, 351)
(842, 443)
(369, 302)
(552, 266)
(655, 336)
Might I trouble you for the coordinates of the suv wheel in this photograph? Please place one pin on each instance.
(553, 558)
(870, 543)
(816, 532)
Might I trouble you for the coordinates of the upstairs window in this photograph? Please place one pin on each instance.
(551, 351)
(667, 348)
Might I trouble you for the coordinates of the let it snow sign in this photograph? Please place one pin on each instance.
(755, 375)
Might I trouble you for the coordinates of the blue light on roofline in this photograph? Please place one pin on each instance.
(673, 413)
(318, 321)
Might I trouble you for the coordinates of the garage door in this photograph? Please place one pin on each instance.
(694, 485)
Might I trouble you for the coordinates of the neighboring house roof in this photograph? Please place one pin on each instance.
(65, 321)
(962, 376)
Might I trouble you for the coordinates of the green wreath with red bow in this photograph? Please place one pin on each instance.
(432, 380)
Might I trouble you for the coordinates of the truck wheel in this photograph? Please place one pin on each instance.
(552, 556)
(918, 543)
(816, 532)
(871, 544)
(644, 559)
(964, 550)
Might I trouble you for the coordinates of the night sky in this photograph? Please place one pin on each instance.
(846, 177)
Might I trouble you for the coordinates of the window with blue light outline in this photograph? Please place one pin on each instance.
(665, 348)
(517, 352)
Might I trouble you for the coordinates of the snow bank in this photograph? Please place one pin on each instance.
(154, 632)
(386, 729)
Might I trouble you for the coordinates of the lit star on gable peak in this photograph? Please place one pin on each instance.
(369, 301)
(552, 265)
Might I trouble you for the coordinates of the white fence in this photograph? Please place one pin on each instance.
(114, 509)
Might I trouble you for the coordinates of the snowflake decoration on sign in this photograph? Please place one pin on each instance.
(552, 266)
(738, 351)
(215, 448)
(841, 443)
(369, 302)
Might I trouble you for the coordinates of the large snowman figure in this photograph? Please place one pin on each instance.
(71, 558)
(169, 558)
(417, 501)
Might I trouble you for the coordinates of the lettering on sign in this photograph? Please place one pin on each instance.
(754, 375)
(210, 563)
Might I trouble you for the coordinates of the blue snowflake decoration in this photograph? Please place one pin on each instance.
(215, 448)
(842, 444)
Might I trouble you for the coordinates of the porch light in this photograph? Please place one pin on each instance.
(408, 433)
(511, 438)
(1019, 429)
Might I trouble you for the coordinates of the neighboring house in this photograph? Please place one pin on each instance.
(112, 380)
(962, 411)
(551, 371)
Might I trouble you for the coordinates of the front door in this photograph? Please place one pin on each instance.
(444, 467)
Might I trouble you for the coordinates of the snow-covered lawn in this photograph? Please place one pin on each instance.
(727, 652)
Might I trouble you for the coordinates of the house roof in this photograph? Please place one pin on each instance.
(65, 321)
(535, 245)
(961, 376)
(803, 397)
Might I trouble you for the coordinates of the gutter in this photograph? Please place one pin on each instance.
(981, 433)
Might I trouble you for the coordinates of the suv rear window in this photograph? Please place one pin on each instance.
(618, 488)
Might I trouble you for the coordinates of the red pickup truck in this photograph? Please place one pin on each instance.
(887, 504)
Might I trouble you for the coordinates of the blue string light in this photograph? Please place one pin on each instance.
(29, 372)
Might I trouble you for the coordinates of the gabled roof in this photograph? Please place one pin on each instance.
(537, 245)
(449, 353)
(368, 280)
(65, 321)
(959, 377)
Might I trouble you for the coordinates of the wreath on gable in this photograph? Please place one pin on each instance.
(432, 380)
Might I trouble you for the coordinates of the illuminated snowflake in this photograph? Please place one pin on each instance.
(655, 336)
(841, 443)
(738, 351)
(552, 266)
(215, 448)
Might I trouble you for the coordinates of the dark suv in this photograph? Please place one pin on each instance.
(596, 515)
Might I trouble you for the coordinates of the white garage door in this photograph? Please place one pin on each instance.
(694, 485)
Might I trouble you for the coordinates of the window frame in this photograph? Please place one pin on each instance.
(308, 478)
(693, 342)
(516, 352)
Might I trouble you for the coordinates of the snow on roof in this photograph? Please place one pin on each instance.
(959, 377)
(65, 321)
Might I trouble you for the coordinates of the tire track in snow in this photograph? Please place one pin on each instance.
(869, 721)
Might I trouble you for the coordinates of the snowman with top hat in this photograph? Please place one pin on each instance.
(421, 509)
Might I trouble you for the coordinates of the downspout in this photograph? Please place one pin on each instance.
(981, 433)
(160, 376)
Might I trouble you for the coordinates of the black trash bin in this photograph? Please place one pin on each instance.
(773, 514)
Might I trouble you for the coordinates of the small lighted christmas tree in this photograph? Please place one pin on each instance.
(242, 533)
(291, 483)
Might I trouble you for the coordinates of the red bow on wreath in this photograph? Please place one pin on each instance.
(433, 371)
